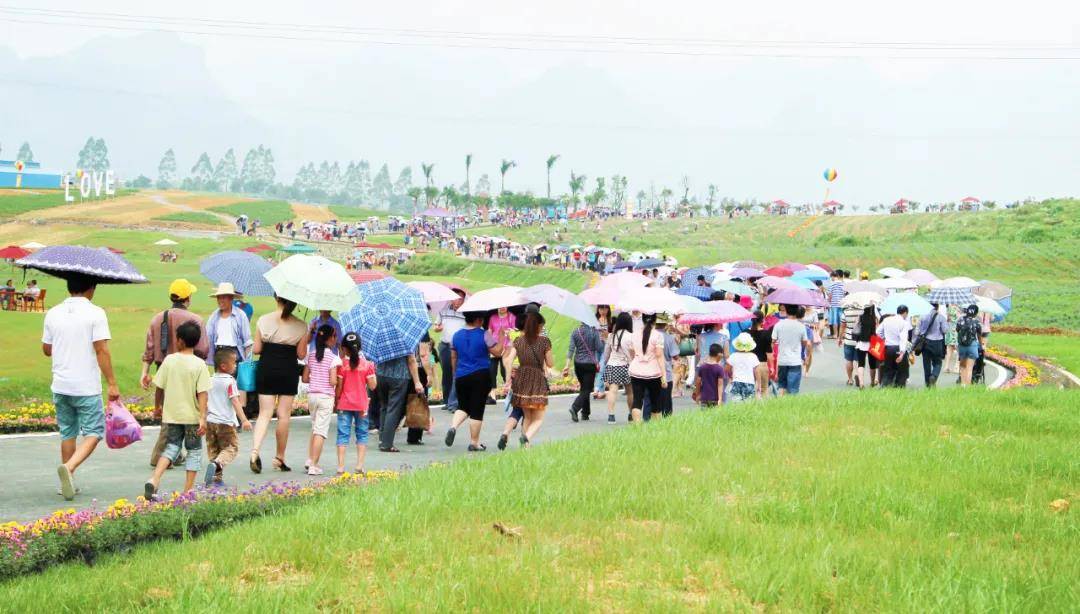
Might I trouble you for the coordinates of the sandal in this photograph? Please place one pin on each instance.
(523, 440)
(479, 448)
(279, 464)
(390, 449)
(255, 464)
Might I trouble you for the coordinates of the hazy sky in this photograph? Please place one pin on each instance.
(654, 90)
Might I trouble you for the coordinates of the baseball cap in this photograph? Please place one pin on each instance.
(182, 288)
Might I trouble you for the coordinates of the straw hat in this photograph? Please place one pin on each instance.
(225, 289)
(744, 342)
(663, 318)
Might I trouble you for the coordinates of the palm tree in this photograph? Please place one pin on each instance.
(505, 166)
(428, 168)
(468, 186)
(415, 193)
(552, 159)
(641, 196)
(665, 196)
(577, 184)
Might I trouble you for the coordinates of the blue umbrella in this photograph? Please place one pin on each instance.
(696, 291)
(390, 318)
(625, 264)
(649, 263)
(803, 282)
(690, 277)
(243, 270)
(811, 274)
(917, 305)
(735, 287)
(97, 263)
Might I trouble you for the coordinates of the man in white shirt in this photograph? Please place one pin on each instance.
(790, 337)
(76, 337)
(449, 321)
(895, 331)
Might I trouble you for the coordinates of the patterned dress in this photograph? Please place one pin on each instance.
(529, 386)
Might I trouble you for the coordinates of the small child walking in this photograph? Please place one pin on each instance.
(709, 383)
(743, 362)
(356, 377)
(182, 384)
(321, 376)
(224, 414)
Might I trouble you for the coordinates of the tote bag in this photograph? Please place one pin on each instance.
(245, 375)
(121, 428)
(877, 348)
(417, 414)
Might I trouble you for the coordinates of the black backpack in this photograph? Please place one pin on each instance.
(967, 331)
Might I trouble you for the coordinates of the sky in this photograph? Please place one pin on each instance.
(929, 101)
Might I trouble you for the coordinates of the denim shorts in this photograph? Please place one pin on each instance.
(789, 378)
(742, 391)
(836, 315)
(186, 435)
(79, 416)
(969, 351)
(850, 353)
(349, 423)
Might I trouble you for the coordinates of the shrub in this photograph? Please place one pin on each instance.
(434, 264)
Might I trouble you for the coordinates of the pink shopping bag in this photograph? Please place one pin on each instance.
(121, 428)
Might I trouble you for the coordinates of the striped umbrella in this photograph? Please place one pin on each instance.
(390, 318)
(951, 296)
(244, 270)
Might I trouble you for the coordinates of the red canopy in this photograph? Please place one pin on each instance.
(971, 199)
(780, 203)
(778, 271)
(578, 214)
(365, 275)
(14, 252)
(832, 203)
(901, 202)
(364, 244)
(262, 247)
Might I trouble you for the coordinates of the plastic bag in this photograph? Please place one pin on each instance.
(121, 428)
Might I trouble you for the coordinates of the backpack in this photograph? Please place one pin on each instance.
(967, 331)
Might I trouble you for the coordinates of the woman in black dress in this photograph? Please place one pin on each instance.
(281, 341)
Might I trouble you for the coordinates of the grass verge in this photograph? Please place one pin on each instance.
(1062, 351)
(192, 217)
(861, 502)
(269, 212)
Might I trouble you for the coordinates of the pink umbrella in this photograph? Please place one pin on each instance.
(493, 298)
(720, 312)
(794, 266)
(433, 291)
(797, 296)
(773, 281)
(921, 276)
(745, 273)
(779, 271)
(612, 287)
(651, 300)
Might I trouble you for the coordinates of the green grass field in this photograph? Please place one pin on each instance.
(192, 217)
(270, 212)
(1063, 351)
(856, 502)
(14, 203)
(347, 213)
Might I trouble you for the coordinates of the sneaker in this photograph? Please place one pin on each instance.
(60, 491)
(212, 470)
(314, 470)
(611, 419)
(149, 491)
(67, 484)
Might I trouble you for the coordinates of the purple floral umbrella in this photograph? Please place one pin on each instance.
(97, 263)
(797, 296)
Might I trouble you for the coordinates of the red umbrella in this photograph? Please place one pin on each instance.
(365, 275)
(832, 203)
(14, 252)
(778, 271)
(794, 266)
(824, 266)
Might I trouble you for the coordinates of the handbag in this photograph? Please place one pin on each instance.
(245, 375)
(686, 347)
(417, 413)
(920, 340)
(877, 347)
(121, 428)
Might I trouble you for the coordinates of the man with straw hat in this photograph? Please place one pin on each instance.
(228, 328)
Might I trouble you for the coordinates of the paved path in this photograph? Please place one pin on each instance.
(28, 489)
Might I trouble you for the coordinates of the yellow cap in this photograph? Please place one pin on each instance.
(182, 288)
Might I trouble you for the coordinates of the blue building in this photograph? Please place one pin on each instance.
(30, 176)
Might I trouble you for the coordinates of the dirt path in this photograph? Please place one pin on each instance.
(313, 213)
(134, 209)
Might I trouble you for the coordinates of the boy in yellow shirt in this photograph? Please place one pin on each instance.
(182, 383)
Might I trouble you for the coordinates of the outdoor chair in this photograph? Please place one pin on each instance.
(39, 304)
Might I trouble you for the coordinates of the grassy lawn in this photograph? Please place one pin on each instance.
(192, 217)
(348, 213)
(15, 202)
(269, 212)
(1063, 351)
(855, 502)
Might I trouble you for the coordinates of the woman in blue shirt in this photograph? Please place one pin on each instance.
(469, 357)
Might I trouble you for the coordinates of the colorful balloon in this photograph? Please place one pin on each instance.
(830, 174)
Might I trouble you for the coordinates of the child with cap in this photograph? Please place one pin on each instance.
(743, 362)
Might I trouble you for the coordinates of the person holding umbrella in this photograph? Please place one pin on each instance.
(527, 383)
(76, 337)
(469, 359)
(281, 340)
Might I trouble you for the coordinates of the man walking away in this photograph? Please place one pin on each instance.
(836, 295)
(932, 329)
(76, 337)
(790, 337)
(895, 331)
(449, 321)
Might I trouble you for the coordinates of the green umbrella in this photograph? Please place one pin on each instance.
(299, 248)
(314, 282)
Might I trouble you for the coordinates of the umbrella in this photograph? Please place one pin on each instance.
(649, 263)
(493, 298)
(98, 263)
(989, 305)
(779, 271)
(362, 276)
(917, 305)
(651, 300)
(794, 266)
(745, 273)
(455, 287)
(802, 282)
(433, 291)
(32, 245)
(635, 256)
(654, 253)
(720, 312)
(262, 247)
(298, 248)
(116, 251)
(811, 274)
(734, 287)
(895, 283)
(921, 276)
(562, 302)
(693, 305)
(243, 270)
(13, 252)
(796, 296)
(750, 264)
(891, 272)
(861, 299)
(690, 275)
(166, 242)
(818, 268)
(612, 287)
(965, 283)
(695, 291)
(314, 282)
(771, 281)
(390, 318)
(625, 264)
(951, 296)
(858, 285)
(824, 266)
(992, 289)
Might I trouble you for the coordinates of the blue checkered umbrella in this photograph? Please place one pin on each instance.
(690, 277)
(951, 296)
(243, 270)
(696, 291)
(390, 318)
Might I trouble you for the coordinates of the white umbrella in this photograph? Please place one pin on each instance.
(989, 305)
(166, 242)
(634, 257)
(562, 302)
(958, 282)
(820, 269)
(651, 300)
(493, 298)
(895, 283)
(434, 292)
(32, 245)
(890, 271)
(862, 299)
(314, 282)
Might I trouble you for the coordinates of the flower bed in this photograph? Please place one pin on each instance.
(1026, 373)
(69, 534)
